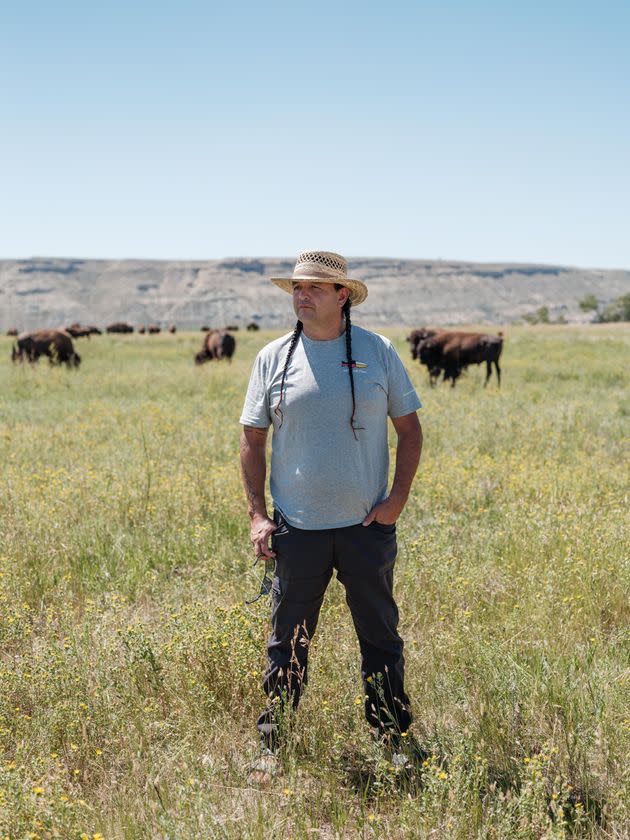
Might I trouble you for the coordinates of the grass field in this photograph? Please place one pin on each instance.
(130, 673)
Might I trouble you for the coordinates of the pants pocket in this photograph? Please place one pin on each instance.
(385, 529)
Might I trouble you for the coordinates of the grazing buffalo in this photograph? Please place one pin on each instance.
(205, 329)
(142, 330)
(217, 344)
(119, 327)
(232, 327)
(172, 329)
(152, 329)
(12, 331)
(252, 326)
(56, 344)
(80, 331)
(452, 352)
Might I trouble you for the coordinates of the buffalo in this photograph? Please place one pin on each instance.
(252, 326)
(232, 327)
(152, 329)
(77, 330)
(119, 327)
(56, 344)
(172, 329)
(416, 336)
(452, 352)
(217, 344)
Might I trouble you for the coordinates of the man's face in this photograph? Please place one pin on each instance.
(318, 303)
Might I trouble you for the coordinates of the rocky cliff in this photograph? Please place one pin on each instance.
(42, 292)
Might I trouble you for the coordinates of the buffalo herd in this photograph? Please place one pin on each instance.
(449, 353)
(443, 352)
(57, 345)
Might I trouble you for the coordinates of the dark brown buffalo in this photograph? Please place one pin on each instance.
(232, 327)
(119, 327)
(80, 330)
(12, 331)
(172, 329)
(416, 336)
(252, 326)
(205, 329)
(452, 352)
(142, 330)
(56, 344)
(217, 344)
(154, 328)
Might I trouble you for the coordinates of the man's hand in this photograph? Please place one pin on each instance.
(386, 512)
(408, 452)
(261, 529)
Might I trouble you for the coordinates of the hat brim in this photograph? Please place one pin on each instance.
(358, 289)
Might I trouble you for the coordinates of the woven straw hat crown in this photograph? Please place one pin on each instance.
(323, 267)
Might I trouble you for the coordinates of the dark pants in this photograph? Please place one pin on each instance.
(364, 558)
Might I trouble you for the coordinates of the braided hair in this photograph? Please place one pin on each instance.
(294, 339)
(349, 361)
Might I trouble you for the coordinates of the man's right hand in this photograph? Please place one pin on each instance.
(261, 530)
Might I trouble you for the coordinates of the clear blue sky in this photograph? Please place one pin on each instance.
(192, 130)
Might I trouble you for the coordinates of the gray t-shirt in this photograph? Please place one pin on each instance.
(321, 476)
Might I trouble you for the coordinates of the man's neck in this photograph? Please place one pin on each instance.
(325, 333)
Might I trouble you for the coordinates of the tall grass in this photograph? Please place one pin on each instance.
(130, 672)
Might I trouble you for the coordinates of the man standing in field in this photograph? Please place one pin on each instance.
(327, 389)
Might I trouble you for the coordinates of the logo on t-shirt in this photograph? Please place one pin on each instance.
(355, 365)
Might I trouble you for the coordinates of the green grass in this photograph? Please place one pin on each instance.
(130, 672)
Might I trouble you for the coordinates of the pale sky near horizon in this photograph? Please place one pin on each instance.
(484, 131)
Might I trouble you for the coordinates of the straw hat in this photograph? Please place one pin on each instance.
(323, 267)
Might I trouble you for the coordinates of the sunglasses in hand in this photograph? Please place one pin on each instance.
(267, 580)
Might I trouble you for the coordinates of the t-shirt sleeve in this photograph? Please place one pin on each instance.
(402, 397)
(256, 408)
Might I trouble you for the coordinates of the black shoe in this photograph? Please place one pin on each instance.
(269, 737)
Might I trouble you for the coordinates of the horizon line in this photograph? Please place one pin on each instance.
(292, 258)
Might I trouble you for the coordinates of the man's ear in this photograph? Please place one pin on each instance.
(344, 294)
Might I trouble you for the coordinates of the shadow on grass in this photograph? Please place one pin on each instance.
(372, 776)
(580, 807)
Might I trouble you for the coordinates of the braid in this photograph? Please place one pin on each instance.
(294, 339)
(346, 312)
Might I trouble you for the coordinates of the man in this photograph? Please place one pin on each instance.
(327, 389)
